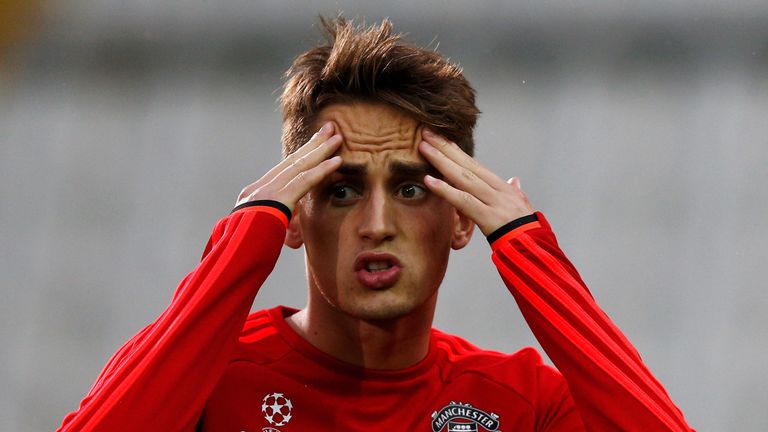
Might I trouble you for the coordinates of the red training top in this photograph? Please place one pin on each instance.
(205, 364)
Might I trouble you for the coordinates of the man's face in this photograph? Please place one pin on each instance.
(377, 241)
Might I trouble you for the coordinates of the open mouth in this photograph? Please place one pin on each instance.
(377, 266)
(376, 261)
(377, 270)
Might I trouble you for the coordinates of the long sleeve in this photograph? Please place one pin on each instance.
(612, 389)
(161, 378)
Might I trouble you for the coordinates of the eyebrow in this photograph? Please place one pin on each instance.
(399, 168)
(410, 169)
(355, 170)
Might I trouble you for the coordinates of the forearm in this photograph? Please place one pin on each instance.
(160, 379)
(612, 388)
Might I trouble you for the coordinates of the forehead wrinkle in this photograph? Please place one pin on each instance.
(372, 160)
(373, 127)
(392, 138)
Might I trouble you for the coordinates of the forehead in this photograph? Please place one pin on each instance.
(373, 132)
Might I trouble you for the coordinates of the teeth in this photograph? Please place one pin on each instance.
(377, 266)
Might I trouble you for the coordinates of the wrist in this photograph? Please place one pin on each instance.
(514, 227)
(275, 207)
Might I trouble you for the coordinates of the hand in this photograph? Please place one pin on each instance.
(474, 190)
(295, 175)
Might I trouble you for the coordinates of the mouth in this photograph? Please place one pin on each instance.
(377, 266)
(376, 261)
(377, 270)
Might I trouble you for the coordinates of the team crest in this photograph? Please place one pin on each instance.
(461, 417)
(277, 410)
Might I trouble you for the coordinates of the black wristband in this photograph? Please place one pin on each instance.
(267, 203)
(499, 233)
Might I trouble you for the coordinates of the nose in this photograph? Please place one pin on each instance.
(377, 216)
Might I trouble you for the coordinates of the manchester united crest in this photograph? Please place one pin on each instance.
(461, 417)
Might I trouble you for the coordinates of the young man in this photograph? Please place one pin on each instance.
(378, 196)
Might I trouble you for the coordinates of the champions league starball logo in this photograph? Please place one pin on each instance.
(460, 417)
(277, 409)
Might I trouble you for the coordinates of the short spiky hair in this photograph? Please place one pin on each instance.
(361, 63)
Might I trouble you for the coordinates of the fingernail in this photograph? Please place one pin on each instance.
(427, 132)
(326, 128)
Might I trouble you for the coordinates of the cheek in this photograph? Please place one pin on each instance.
(432, 227)
(323, 230)
(317, 224)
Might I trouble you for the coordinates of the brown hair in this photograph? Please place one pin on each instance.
(371, 64)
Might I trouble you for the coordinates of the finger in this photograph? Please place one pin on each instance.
(457, 175)
(308, 160)
(318, 139)
(463, 201)
(456, 154)
(515, 182)
(306, 180)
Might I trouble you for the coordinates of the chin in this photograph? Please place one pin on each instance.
(384, 309)
(378, 313)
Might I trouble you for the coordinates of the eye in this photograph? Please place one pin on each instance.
(343, 193)
(411, 191)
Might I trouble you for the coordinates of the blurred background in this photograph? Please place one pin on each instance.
(639, 128)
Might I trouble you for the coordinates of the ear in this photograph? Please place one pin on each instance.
(293, 237)
(463, 227)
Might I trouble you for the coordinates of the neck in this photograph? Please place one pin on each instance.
(374, 344)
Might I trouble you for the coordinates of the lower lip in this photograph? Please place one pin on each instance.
(380, 279)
